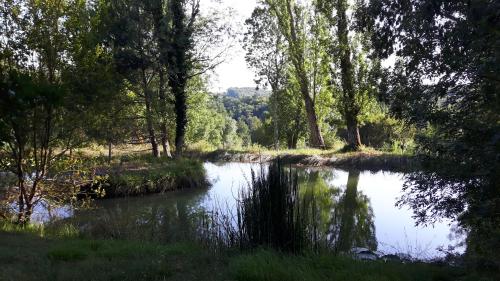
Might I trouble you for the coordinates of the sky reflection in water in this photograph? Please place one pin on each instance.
(361, 213)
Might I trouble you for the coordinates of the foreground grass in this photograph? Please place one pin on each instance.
(32, 254)
(29, 257)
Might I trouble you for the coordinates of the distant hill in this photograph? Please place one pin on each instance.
(244, 102)
(246, 92)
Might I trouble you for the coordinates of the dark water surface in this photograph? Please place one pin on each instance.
(356, 209)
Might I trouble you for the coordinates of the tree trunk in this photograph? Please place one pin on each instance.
(351, 109)
(353, 136)
(163, 105)
(181, 119)
(179, 66)
(20, 214)
(276, 125)
(292, 141)
(316, 139)
(149, 118)
(110, 148)
(275, 97)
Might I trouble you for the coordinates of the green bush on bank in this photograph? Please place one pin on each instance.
(140, 175)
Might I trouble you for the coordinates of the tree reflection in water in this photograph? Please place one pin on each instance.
(339, 219)
(330, 217)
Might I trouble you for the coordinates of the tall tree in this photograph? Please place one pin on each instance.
(158, 11)
(351, 109)
(267, 54)
(194, 45)
(290, 18)
(131, 30)
(180, 61)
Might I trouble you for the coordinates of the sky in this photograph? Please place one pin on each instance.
(234, 72)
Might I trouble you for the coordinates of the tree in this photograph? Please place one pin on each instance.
(293, 126)
(244, 132)
(206, 116)
(131, 28)
(188, 51)
(34, 96)
(358, 75)
(157, 9)
(446, 82)
(266, 53)
(290, 18)
(180, 62)
(93, 78)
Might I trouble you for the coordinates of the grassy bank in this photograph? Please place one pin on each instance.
(366, 159)
(38, 254)
(141, 174)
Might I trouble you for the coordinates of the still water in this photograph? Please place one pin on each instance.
(364, 201)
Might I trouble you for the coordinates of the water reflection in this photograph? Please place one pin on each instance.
(352, 222)
(341, 218)
(164, 218)
(343, 210)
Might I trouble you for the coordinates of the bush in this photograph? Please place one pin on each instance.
(385, 133)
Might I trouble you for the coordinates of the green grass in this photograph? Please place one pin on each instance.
(143, 174)
(26, 256)
(270, 266)
(32, 254)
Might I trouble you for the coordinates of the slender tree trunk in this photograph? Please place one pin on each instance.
(351, 109)
(20, 214)
(110, 148)
(163, 105)
(181, 119)
(275, 117)
(292, 141)
(149, 118)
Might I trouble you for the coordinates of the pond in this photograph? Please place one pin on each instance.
(364, 201)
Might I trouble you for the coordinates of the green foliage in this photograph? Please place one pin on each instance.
(146, 174)
(207, 118)
(445, 82)
(245, 107)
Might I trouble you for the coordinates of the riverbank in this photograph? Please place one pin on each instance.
(142, 175)
(365, 160)
(37, 254)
